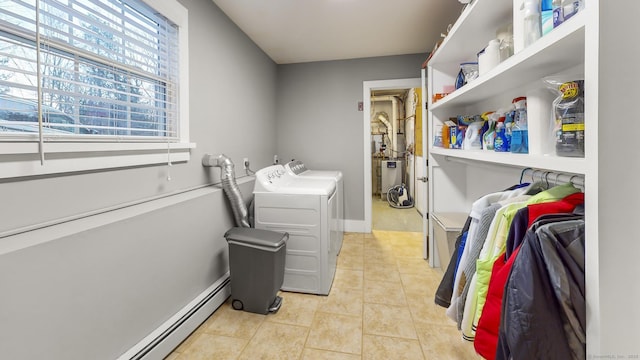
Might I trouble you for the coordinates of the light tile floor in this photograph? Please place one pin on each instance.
(380, 307)
(385, 217)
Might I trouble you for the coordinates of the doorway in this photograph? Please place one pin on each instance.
(389, 160)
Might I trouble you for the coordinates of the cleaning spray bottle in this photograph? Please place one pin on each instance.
(508, 126)
(489, 135)
(501, 142)
(519, 131)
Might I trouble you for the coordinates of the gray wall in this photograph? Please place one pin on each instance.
(232, 111)
(97, 283)
(318, 119)
(103, 283)
(106, 281)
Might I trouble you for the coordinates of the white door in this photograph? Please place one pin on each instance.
(422, 197)
(422, 176)
(367, 87)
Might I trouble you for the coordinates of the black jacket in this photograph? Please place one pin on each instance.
(543, 308)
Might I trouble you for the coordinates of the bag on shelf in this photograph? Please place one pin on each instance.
(568, 115)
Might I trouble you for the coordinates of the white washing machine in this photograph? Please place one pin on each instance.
(305, 208)
(297, 167)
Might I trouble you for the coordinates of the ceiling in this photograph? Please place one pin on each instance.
(296, 31)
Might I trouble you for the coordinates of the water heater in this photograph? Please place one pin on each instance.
(391, 175)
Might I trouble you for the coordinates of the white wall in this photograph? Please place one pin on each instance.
(611, 198)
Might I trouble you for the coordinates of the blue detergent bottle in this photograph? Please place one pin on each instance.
(501, 143)
(519, 133)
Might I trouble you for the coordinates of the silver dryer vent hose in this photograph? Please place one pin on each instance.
(230, 187)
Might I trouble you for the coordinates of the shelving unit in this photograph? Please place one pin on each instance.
(590, 42)
(556, 51)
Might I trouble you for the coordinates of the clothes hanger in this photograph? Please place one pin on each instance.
(546, 179)
(522, 173)
(536, 186)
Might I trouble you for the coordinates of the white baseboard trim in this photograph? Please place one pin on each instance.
(357, 226)
(172, 332)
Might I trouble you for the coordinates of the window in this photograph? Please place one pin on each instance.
(85, 76)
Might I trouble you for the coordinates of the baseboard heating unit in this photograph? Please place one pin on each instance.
(171, 333)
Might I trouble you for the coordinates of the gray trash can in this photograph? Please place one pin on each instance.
(256, 264)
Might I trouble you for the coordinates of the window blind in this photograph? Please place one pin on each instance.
(105, 69)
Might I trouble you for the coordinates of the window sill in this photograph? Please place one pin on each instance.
(21, 159)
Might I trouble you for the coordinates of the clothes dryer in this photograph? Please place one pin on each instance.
(304, 208)
(298, 168)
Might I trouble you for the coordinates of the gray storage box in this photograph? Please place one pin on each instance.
(256, 264)
(447, 226)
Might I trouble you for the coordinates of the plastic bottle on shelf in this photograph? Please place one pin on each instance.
(508, 126)
(489, 136)
(532, 22)
(520, 108)
(546, 16)
(472, 136)
(501, 142)
(558, 16)
(505, 35)
(490, 57)
(570, 8)
(520, 133)
(482, 62)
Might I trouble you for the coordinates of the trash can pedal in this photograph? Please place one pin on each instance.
(276, 304)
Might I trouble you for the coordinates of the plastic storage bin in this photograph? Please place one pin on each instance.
(256, 264)
(447, 227)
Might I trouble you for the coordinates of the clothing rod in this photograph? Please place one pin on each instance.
(552, 177)
(548, 176)
(476, 163)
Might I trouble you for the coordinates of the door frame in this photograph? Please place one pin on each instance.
(367, 87)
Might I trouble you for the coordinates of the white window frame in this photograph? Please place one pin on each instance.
(22, 158)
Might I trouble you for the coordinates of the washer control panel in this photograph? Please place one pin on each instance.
(270, 178)
(271, 174)
(296, 166)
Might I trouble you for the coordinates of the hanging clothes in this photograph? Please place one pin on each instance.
(471, 302)
(543, 307)
(480, 221)
(484, 224)
(445, 288)
(522, 226)
(495, 244)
